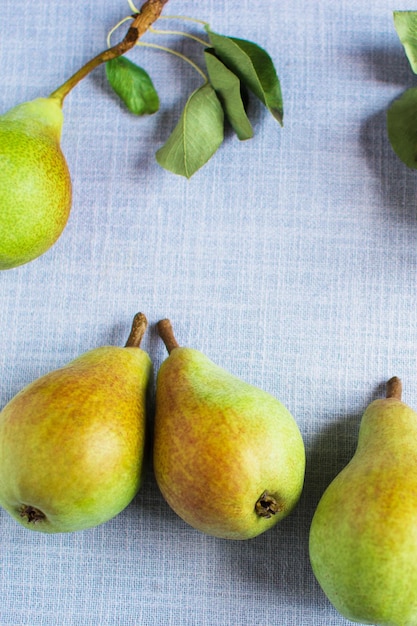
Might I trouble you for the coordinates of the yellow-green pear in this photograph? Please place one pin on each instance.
(72, 442)
(35, 183)
(363, 536)
(228, 457)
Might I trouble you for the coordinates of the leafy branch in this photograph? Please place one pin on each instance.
(231, 66)
(144, 19)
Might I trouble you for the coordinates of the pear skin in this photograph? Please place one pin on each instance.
(228, 457)
(363, 536)
(35, 183)
(72, 442)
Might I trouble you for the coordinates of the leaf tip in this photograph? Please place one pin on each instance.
(278, 114)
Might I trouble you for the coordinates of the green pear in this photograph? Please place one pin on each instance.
(72, 442)
(228, 457)
(35, 183)
(363, 536)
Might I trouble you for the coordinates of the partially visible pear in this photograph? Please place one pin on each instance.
(363, 537)
(35, 183)
(72, 442)
(228, 457)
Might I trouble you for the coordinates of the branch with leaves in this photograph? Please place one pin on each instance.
(232, 65)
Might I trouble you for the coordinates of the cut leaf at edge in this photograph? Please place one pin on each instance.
(253, 65)
(197, 136)
(405, 23)
(402, 127)
(133, 85)
(228, 87)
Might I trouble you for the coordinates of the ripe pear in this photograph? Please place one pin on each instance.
(35, 183)
(363, 536)
(228, 457)
(72, 442)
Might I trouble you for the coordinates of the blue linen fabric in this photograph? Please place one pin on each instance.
(289, 259)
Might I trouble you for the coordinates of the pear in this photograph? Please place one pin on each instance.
(363, 536)
(228, 457)
(72, 442)
(35, 182)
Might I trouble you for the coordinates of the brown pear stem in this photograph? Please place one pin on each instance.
(139, 326)
(142, 21)
(394, 388)
(166, 333)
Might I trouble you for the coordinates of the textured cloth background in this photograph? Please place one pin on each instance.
(289, 259)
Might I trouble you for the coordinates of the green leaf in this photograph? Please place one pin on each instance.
(253, 65)
(402, 127)
(228, 88)
(133, 85)
(197, 135)
(405, 23)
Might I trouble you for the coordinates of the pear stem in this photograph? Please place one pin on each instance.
(166, 333)
(394, 388)
(139, 326)
(148, 14)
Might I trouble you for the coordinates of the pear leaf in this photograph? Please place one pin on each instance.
(405, 23)
(133, 85)
(197, 136)
(402, 127)
(228, 88)
(253, 65)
